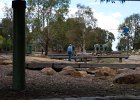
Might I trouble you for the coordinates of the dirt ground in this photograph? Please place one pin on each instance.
(39, 85)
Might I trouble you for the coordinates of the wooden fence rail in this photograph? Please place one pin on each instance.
(85, 58)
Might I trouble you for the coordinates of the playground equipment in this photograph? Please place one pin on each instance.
(101, 48)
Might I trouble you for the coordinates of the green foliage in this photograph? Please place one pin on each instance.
(6, 33)
(50, 28)
(47, 25)
(74, 31)
(1, 41)
(99, 36)
(57, 36)
(132, 22)
(45, 14)
(6, 27)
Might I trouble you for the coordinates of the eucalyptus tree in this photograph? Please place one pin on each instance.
(86, 18)
(99, 36)
(74, 33)
(33, 21)
(58, 39)
(133, 24)
(46, 12)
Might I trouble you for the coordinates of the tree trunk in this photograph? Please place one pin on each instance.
(84, 43)
(46, 47)
(46, 50)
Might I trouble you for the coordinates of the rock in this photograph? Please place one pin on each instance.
(105, 71)
(5, 62)
(79, 74)
(67, 70)
(91, 71)
(128, 78)
(48, 71)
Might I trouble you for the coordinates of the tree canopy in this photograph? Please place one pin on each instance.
(49, 27)
(133, 24)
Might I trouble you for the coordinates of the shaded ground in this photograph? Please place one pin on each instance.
(40, 86)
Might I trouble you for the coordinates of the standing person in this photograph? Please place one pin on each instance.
(70, 51)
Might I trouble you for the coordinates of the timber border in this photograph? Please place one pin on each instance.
(35, 65)
(85, 57)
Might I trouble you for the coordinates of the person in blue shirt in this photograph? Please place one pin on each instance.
(70, 51)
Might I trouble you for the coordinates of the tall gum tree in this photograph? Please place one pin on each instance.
(133, 23)
(46, 11)
(86, 18)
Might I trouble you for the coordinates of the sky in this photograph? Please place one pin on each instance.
(108, 15)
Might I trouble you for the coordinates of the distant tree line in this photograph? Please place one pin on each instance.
(49, 27)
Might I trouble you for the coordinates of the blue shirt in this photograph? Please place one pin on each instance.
(70, 48)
